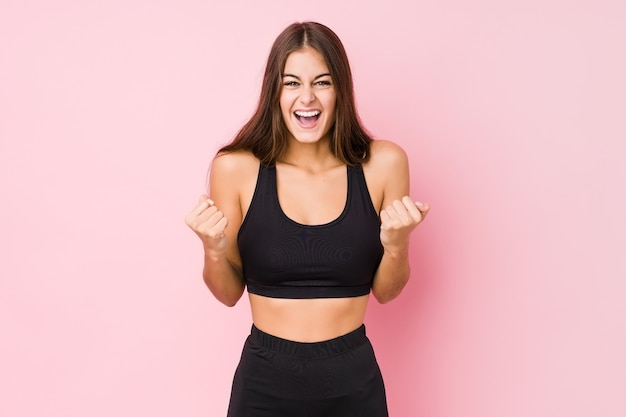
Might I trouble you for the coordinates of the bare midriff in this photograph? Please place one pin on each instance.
(308, 320)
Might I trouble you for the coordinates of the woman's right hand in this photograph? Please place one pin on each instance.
(209, 223)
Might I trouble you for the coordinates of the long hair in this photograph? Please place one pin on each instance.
(266, 135)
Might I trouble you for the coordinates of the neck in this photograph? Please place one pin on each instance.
(313, 157)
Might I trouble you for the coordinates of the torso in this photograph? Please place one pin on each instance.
(311, 199)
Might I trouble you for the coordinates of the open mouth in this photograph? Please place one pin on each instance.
(307, 118)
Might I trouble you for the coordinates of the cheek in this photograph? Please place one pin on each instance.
(331, 103)
(284, 107)
(331, 98)
(285, 102)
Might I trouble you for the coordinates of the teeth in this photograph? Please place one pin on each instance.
(307, 113)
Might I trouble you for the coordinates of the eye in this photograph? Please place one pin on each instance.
(291, 83)
(323, 83)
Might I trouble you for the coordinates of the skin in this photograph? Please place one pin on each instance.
(312, 189)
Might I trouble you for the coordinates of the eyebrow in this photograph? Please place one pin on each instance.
(296, 77)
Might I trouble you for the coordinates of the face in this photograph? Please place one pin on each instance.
(307, 98)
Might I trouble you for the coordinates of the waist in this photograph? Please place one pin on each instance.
(308, 320)
(321, 349)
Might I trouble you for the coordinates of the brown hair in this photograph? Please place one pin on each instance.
(265, 134)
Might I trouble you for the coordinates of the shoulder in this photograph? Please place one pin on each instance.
(386, 156)
(233, 162)
(234, 166)
(230, 171)
(386, 172)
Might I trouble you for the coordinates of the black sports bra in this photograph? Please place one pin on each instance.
(285, 259)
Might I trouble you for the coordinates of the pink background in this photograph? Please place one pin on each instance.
(514, 117)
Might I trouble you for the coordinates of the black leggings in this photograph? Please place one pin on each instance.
(335, 378)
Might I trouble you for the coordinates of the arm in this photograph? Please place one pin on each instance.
(216, 221)
(399, 217)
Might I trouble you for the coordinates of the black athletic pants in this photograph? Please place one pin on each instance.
(335, 378)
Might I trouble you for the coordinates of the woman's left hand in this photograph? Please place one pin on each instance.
(398, 221)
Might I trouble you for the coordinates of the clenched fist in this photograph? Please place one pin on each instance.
(398, 221)
(209, 223)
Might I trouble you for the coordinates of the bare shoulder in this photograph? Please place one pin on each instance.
(233, 170)
(386, 155)
(232, 182)
(234, 165)
(386, 172)
(387, 161)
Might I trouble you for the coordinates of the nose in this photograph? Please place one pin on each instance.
(307, 95)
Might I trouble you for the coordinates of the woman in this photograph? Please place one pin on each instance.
(311, 215)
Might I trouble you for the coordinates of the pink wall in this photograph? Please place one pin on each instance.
(514, 120)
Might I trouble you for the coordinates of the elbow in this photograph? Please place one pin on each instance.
(390, 281)
(386, 296)
(229, 300)
(227, 295)
(385, 292)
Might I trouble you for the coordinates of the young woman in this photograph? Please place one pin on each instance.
(311, 215)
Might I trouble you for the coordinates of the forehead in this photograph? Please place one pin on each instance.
(306, 60)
